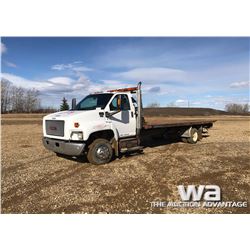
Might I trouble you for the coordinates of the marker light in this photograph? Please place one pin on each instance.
(76, 124)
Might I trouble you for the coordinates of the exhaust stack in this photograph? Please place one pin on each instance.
(139, 111)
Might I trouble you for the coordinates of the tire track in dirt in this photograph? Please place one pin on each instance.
(172, 148)
(35, 187)
(14, 168)
(221, 179)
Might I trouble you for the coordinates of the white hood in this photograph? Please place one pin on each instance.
(64, 114)
(75, 115)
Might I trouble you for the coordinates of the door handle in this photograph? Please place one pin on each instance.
(132, 114)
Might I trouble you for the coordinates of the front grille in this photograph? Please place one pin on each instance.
(54, 127)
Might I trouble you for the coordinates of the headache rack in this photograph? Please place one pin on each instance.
(139, 117)
(132, 90)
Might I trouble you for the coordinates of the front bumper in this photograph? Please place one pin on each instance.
(64, 147)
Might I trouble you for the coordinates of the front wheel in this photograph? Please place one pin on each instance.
(100, 152)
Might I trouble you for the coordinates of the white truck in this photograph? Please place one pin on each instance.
(104, 125)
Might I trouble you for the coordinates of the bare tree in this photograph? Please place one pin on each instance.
(237, 108)
(245, 108)
(31, 101)
(153, 105)
(18, 99)
(5, 95)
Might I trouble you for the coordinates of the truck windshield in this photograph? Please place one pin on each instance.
(91, 102)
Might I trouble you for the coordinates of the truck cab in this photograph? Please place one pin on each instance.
(95, 126)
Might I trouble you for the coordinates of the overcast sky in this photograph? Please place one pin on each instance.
(204, 72)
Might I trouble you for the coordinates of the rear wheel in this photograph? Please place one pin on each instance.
(194, 136)
(100, 152)
(200, 136)
(184, 139)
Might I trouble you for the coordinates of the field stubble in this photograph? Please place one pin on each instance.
(35, 180)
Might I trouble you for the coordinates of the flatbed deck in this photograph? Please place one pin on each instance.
(178, 123)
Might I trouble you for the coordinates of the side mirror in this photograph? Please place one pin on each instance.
(73, 106)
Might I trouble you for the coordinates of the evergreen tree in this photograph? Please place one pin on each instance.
(64, 105)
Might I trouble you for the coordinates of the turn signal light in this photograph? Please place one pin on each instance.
(76, 124)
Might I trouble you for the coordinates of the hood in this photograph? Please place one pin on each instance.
(64, 115)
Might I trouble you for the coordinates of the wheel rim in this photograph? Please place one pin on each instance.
(195, 136)
(102, 152)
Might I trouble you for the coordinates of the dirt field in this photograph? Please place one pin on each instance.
(35, 180)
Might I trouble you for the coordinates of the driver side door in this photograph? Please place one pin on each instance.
(125, 119)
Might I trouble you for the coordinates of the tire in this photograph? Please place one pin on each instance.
(100, 152)
(194, 136)
(200, 136)
(60, 155)
(184, 139)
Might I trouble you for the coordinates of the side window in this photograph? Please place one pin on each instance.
(125, 103)
(113, 104)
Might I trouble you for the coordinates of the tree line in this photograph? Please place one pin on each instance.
(22, 100)
(17, 99)
(235, 108)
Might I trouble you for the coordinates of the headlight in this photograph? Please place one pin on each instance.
(76, 136)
